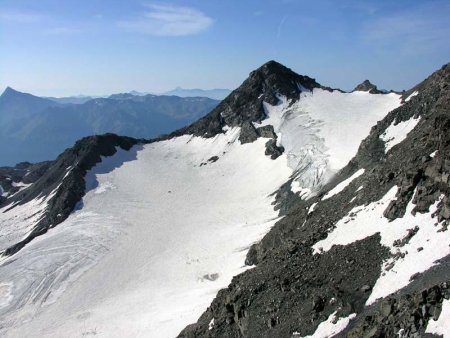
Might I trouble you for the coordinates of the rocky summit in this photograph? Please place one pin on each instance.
(290, 210)
(367, 86)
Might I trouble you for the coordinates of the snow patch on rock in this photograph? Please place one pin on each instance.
(412, 95)
(397, 133)
(331, 326)
(418, 255)
(442, 325)
(341, 186)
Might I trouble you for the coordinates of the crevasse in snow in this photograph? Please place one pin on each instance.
(322, 131)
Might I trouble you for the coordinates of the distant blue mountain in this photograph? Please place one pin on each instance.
(79, 99)
(216, 94)
(37, 129)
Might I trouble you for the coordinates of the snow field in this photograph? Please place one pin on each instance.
(323, 130)
(156, 238)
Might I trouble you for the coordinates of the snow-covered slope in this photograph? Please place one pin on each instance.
(322, 131)
(165, 232)
(368, 254)
(164, 225)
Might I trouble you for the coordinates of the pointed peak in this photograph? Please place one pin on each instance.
(367, 86)
(281, 80)
(9, 90)
(272, 65)
(272, 68)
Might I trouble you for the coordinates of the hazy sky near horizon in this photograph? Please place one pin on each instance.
(96, 47)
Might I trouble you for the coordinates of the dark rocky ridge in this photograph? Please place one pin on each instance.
(48, 176)
(292, 290)
(245, 104)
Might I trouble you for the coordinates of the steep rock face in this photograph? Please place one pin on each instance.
(245, 104)
(296, 286)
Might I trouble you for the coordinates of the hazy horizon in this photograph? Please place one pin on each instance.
(103, 47)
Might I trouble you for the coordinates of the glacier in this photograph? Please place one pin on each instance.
(163, 227)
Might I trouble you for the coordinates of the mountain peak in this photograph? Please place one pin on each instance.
(367, 86)
(245, 104)
(283, 79)
(9, 91)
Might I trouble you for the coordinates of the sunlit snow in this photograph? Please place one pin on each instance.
(331, 326)
(412, 95)
(341, 186)
(164, 233)
(442, 325)
(396, 133)
(322, 131)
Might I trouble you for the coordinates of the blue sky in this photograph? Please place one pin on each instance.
(54, 47)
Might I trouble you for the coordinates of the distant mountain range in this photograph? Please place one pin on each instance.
(36, 129)
(217, 94)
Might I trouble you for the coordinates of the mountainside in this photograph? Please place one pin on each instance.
(371, 249)
(17, 105)
(290, 210)
(216, 94)
(37, 129)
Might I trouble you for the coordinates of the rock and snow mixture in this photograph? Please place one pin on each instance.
(164, 226)
(322, 131)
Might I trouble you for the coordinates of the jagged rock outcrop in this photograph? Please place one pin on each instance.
(293, 290)
(367, 86)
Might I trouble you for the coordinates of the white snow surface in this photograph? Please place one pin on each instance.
(16, 223)
(157, 236)
(442, 325)
(412, 95)
(312, 207)
(421, 252)
(2, 192)
(341, 186)
(331, 326)
(396, 133)
(322, 131)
